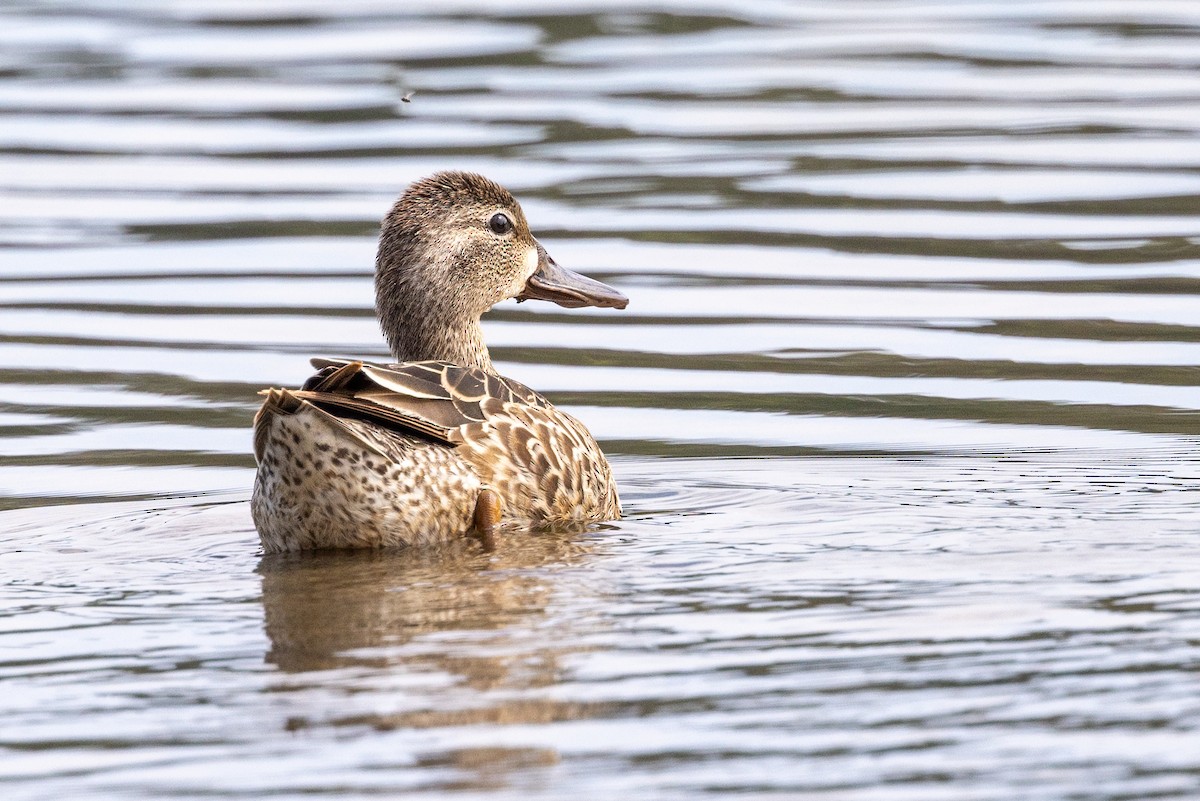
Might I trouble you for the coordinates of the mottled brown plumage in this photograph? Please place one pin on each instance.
(368, 455)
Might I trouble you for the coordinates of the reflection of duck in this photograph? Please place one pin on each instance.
(440, 445)
(368, 630)
(341, 609)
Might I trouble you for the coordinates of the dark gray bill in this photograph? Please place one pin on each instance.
(561, 286)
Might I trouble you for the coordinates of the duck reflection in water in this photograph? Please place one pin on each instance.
(362, 618)
(339, 609)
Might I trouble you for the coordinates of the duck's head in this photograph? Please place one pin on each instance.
(454, 245)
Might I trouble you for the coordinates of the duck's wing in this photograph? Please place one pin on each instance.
(438, 400)
(542, 461)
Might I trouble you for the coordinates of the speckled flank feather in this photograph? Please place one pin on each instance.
(421, 451)
(332, 482)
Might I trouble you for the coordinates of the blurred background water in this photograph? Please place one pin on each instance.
(904, 406)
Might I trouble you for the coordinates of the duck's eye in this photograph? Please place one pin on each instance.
(500, 224)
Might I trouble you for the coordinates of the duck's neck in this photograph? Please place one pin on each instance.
(416, 337)
(420, 322)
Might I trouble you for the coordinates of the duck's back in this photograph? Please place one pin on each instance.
(371, 455)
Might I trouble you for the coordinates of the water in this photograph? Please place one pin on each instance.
(903, 408)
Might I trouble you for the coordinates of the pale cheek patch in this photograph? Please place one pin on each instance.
(529, 265)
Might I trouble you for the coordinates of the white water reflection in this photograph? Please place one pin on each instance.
(977, 184)
(225, 137)
(848, 434)
(393, 41)
(313, 333)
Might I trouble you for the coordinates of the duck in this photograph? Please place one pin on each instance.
(437, 446)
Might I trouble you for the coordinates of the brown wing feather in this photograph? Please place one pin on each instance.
(436, 399)
(541, 460)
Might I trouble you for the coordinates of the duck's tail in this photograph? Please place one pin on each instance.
(276, 402)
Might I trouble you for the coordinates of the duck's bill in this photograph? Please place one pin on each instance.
(572, 290)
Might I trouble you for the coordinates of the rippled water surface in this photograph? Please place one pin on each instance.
(904, 407)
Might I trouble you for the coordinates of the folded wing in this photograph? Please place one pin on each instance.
(434, 399)
(540, 459)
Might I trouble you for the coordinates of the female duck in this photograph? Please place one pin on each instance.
(437, 446)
